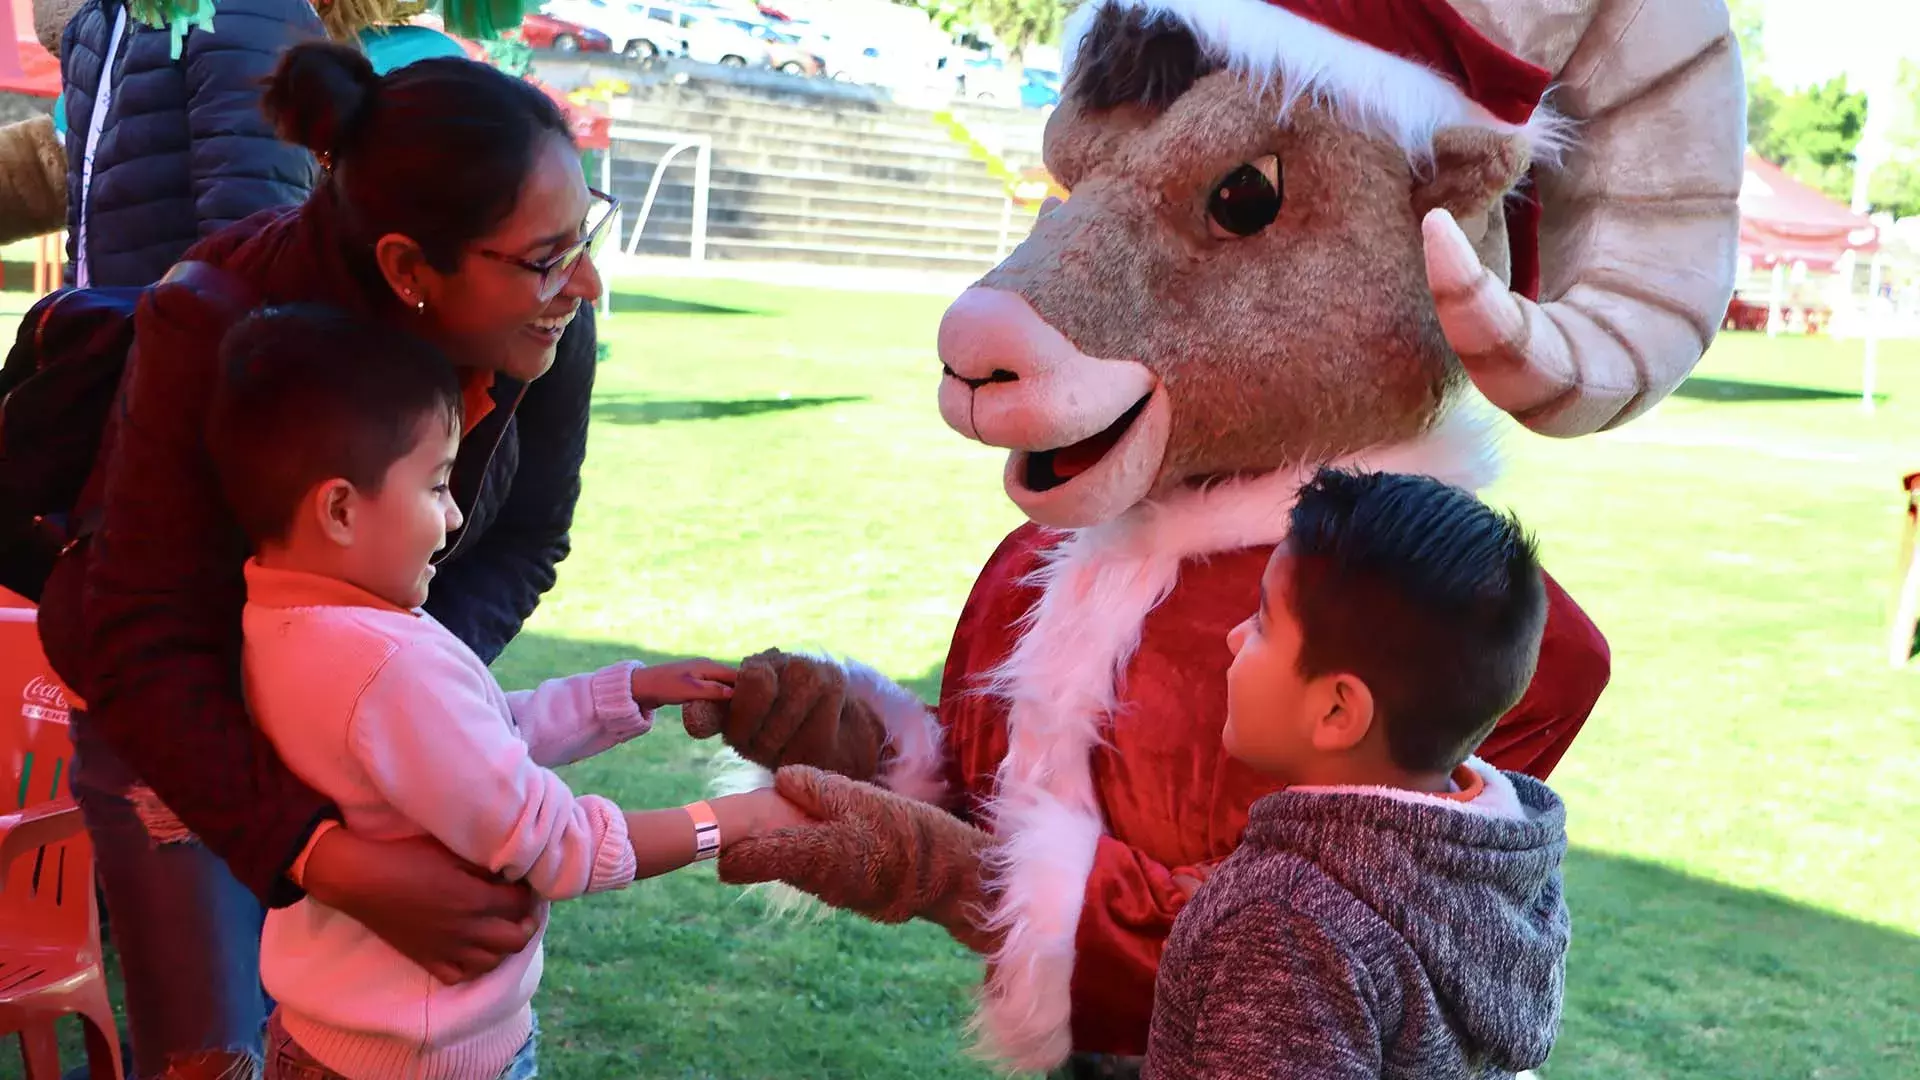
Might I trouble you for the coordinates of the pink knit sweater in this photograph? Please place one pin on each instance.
(389, 715)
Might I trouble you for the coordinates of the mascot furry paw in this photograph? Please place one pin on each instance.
(1299, 232)
(33, 159)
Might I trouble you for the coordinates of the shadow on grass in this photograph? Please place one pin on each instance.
(1671, 976)
(632, 303)
(639, 412)
(1708, 388)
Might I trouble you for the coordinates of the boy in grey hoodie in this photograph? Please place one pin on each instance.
(1397, 910)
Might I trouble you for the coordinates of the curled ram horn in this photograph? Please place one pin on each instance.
(1639, 238)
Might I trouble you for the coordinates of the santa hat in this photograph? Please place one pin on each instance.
(1400, 69)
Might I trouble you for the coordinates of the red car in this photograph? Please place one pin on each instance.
(546, 32)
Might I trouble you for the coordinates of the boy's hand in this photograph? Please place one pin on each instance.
(680, 682)
(789, 709)
(440, 911)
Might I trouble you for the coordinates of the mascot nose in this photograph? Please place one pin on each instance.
(994, 336)
(1014, 381)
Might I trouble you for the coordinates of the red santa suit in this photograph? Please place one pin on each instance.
(1081, 715)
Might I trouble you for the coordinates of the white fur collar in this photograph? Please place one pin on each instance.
(1061, 686)
(1497, 799)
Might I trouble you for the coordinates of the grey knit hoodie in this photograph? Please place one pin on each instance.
(1357, 935)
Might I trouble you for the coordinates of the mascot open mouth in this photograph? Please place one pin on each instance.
(1045, 470)
(1098, 478)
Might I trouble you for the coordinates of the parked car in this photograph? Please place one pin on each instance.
(543, 31)
(986, 79)
(784, 50)
(1041, 89)
(701, 32)
(628, 31)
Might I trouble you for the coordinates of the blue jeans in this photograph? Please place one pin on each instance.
(187, 933)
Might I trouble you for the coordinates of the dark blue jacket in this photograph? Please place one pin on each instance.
(186, 150)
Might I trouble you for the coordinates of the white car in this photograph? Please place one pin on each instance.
(630, 34)
(699, 33)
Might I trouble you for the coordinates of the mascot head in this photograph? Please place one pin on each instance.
(1244, 276)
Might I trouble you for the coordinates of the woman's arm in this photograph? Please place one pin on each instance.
(162, 608)
(239, 166)
(486, 593)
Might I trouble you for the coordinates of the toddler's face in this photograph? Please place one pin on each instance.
(396, 532)
(1269, 711)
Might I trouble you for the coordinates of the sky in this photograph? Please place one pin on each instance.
(1814, 40)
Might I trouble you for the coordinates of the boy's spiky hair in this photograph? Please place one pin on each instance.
(1431, 597)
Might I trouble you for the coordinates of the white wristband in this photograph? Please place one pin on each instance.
(706, 831)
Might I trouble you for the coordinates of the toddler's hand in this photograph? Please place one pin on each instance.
(782, 814)
(756, 813)
(680, 682)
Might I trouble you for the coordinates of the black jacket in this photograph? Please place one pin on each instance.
(144, 621)
(186, 150)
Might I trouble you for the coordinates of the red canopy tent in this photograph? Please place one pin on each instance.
(1784, 221)
(26, 67)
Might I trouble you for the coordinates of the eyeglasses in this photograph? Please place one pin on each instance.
(555, 272)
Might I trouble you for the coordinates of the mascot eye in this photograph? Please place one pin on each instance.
(1247, 200)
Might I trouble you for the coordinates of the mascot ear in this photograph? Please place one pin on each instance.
(1472, 169)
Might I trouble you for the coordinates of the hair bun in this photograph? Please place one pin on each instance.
(317, 94)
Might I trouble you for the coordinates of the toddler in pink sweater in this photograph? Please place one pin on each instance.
(335, 438)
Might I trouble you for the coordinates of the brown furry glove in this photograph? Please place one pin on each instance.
(33, 180)
(877, 854)
(794, 710)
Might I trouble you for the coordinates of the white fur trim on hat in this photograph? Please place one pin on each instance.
(1369, 89)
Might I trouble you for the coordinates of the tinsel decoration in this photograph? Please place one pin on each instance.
(345, 19)
(483, 20)
(174, 16)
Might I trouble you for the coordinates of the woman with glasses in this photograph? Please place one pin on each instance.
(451, 204)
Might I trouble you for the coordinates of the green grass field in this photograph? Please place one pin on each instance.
(768, 468)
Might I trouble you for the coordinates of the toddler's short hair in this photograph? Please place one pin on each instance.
(1431, 597)
(309, 394)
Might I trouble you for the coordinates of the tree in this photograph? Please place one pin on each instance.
(1749, 22)
(1017, 23)
(1894, 187)
(1812, 134)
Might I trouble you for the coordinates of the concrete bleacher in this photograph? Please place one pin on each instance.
(814, 172)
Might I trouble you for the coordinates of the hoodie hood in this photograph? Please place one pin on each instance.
(1474, 888)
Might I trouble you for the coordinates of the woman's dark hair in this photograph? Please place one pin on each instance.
(437, 150)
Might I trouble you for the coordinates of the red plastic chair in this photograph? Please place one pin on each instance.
(49, 931)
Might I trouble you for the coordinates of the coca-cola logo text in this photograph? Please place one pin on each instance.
(44, 691)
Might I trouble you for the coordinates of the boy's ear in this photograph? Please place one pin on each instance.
(1346, 713)
(332, 505)
(1471, 171)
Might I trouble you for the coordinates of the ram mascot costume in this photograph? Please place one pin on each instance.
(1298, 232)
